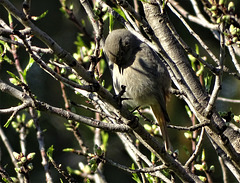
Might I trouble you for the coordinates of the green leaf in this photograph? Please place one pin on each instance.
(111, 22)
(105, 137)
(73, 171)
(14, 80)
(203, 155)
(120, 12)
(186, 150)
(3, 50)
(40, 17)
(102, 65)
(135, 176)
(150, 178)
(79, 42)
(189, 112)
(153, 157)
(200, 70)
(9, 121)
(207, 82)
(68, 150)
(50, 152)
(10, 20)
(27, 68)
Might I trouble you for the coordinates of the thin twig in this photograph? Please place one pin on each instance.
(228, 100)
(66, 176)
(198, 20)
(41, 145)
(218, 78)
(61, 112)
(234, 59)
(194, 154)
(224, 170)
(94, 110)
(34, 48)
(10, 152)
(194, 35)
(26, 7)
(12, 109)
(127, 169)
(227, 161)
(5, 175)
(191, 128)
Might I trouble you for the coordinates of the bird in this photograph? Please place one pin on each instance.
(142, 72)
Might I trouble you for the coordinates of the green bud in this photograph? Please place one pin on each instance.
(99, 151)
(219, 20)
(214, 14)
(147, 127)
(72, 77)
(63, 71)
(221, 2)
(18, 118)
(233, 30)
(30, 123)
(23, 159)
(188, 135)
(202, 178)
(51, 66)
(231, 6)
(14, 179)
(30, 166)
(14, 124)
(30, 156)
(93, 167)
(16, 155)
(236, 118)
(84, 168)
(92, 161)
(19, 163)
(238, 31)
(238, 43)
(234, 39)
(191, 58)
(213, 8)
(226, 18)
(17, 169)
(198, 167)
(77, 56)
(104, 9)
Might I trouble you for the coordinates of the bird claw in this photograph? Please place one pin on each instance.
(119, 98)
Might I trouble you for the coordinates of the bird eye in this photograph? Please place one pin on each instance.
(127, 43)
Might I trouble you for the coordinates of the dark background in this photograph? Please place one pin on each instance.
(48, 90)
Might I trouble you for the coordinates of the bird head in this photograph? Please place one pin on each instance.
(119, 47)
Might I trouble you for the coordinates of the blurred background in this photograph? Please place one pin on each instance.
(64, 32)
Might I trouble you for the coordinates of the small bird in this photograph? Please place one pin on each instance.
(136, 66)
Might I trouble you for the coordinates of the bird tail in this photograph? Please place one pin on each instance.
(162, 119)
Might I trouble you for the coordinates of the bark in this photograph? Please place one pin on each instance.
(224, 136)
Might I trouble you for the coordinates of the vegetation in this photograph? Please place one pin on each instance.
(62, 122)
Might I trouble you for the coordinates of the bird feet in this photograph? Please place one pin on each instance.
(119, 98)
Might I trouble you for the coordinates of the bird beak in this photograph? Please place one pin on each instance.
(120, 70)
